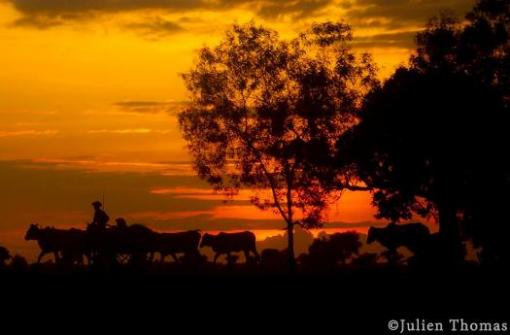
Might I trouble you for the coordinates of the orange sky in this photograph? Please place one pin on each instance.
(89, 92)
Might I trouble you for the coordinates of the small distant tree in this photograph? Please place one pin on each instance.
(265, 114)
(332, 250)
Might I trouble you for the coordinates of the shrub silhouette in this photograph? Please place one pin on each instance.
(333, 250)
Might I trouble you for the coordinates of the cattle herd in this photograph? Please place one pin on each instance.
(134, 243)
(138, 243)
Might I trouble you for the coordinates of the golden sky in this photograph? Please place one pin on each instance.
(89, 90)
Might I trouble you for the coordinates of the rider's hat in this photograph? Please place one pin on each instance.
(97, 204)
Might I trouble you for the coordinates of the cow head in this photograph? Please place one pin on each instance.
(32, 232)
(206, 240)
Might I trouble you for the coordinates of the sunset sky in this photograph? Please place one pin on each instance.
(90, 89)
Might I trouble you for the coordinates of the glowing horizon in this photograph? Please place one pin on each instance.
(90, 90)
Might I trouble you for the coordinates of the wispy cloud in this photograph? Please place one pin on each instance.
(247, 212)
(200, 193)
(37, 22)
(150, 107)
(167, 215)
(400, 13)
(405, 39)
(66, 8)
(154, 27)
(98, 165)
(162, 18)
(45, 193)
(130, 131)
(28, 132)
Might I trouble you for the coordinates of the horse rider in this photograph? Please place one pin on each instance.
(100, 219)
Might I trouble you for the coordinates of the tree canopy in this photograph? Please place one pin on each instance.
(265, 115)
(433, 139)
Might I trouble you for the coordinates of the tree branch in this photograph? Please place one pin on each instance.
(355, 187)
(268, 175)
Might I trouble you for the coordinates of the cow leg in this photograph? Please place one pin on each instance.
(174, 256)
(57, 257)
(196, 253)
(257, 256)
(148, 257)
(247, 255)
(216, 255)
(41, 255)
(392, 256)
(88, 258)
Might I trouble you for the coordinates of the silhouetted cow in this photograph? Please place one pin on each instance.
(225, 243)
(133, 243)
(173, 243)
(414, 236)
(71, 244)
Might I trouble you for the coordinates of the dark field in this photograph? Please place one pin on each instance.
(246, 300)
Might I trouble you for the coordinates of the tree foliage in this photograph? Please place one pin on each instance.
(433, 139)
(265, 115)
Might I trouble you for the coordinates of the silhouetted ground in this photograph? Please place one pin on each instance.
(245, 301)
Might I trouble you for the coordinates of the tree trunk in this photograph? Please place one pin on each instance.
(449, 230)
(290, 248)
(290, 223)
(448, 225)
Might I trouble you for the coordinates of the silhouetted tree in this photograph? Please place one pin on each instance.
(265, 114)
(366, 261)
(433, 138)
(332, 250)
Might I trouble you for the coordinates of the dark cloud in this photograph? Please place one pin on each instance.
(59, 7)
(44, 21)
(150, 107)
(44, 12)
(398, 13)
(404, 39)
(37, 22)
(155, 28)
(389, 15)
(298, 9)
